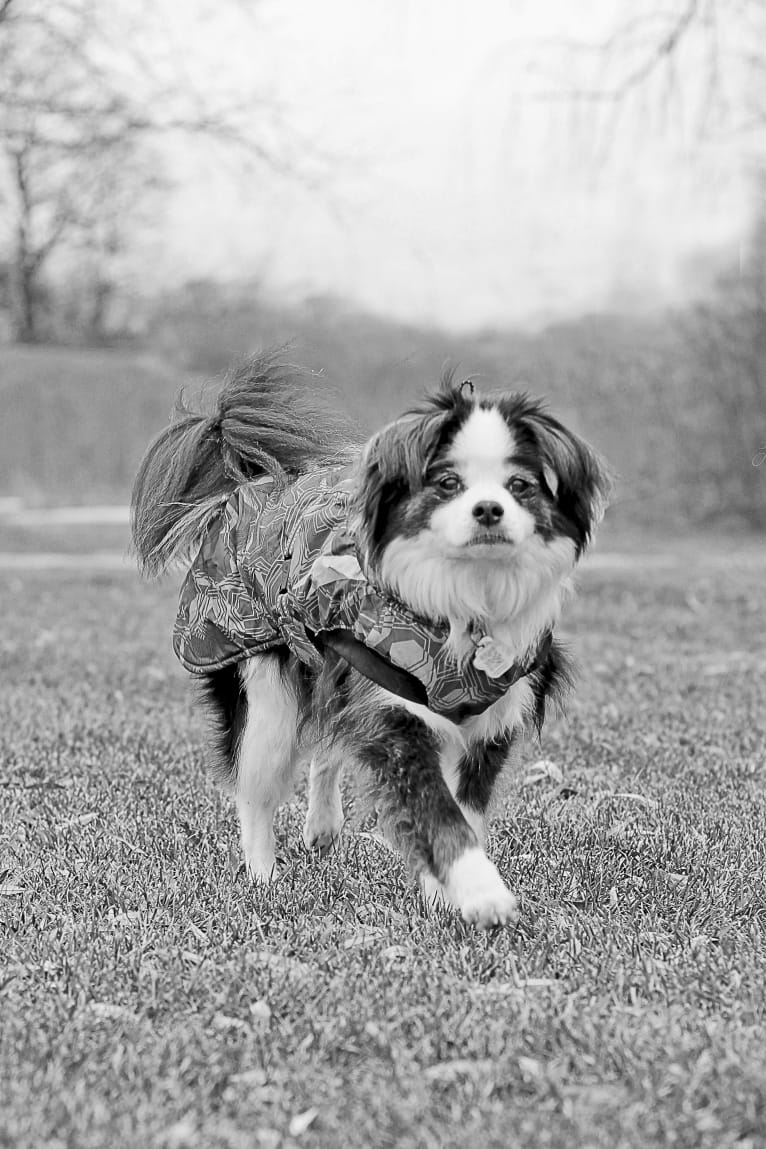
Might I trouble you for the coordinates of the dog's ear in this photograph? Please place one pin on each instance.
(394, 465)
(382, 484)
(577, 478)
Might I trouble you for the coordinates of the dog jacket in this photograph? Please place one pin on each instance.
(278, 567)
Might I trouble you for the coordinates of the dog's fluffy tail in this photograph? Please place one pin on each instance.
(266, 421)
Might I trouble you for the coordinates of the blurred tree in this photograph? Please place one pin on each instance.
(81, 105)
(699, 68)
(696, 63)
(727, 337)
(65, 132)
(706, 60)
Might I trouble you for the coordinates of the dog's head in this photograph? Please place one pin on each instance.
(482, 481)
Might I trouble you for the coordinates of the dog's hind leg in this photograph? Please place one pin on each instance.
(266, 760)
(324, 818)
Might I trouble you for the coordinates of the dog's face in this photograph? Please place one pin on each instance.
(480, 481)
(482, 496)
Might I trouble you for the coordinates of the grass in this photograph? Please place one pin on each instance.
(59, 539)
(151, 997)
(75, 422)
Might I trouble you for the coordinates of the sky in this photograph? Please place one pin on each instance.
(440, 169)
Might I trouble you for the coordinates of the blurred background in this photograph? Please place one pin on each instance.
(569, 199)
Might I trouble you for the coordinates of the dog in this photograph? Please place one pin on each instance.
(389, 606)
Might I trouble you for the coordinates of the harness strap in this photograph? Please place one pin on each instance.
(400, 682)
(373, 665)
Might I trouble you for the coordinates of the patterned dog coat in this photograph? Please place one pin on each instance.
(277, 567)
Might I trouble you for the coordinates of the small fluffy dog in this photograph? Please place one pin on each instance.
(390, 607)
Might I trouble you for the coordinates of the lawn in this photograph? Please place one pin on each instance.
(150, 996)
(75, 421)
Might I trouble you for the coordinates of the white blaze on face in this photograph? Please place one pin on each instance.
(480, 454)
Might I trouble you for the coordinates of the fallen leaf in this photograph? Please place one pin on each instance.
(395, 953)
(109, 1010)
(126, 917)
(301, 1122)
(543, 770)
(260, 1012)
(199, 934)
(365, 937)
(181, 1135)
(224, 1021)
(80, 820)
(450, 1071)
(254, 1077)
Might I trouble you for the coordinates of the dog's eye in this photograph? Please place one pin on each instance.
(449, 483)
(519, 486)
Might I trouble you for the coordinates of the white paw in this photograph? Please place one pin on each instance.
(493, 657)
(262, 869)
(491, 908)
(322, 831)
(475, 887)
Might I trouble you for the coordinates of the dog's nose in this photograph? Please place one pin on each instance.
(487, 512)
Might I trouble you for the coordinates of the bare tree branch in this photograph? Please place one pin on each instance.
(660, 52)
(79, 106)
(700, 58)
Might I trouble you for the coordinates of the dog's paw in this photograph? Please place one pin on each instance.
(475, 887)
(491, 908)
(493, 657)
(322, 831)
(263, 870)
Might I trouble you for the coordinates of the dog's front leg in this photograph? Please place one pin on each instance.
(324, 818)
(417, 810)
